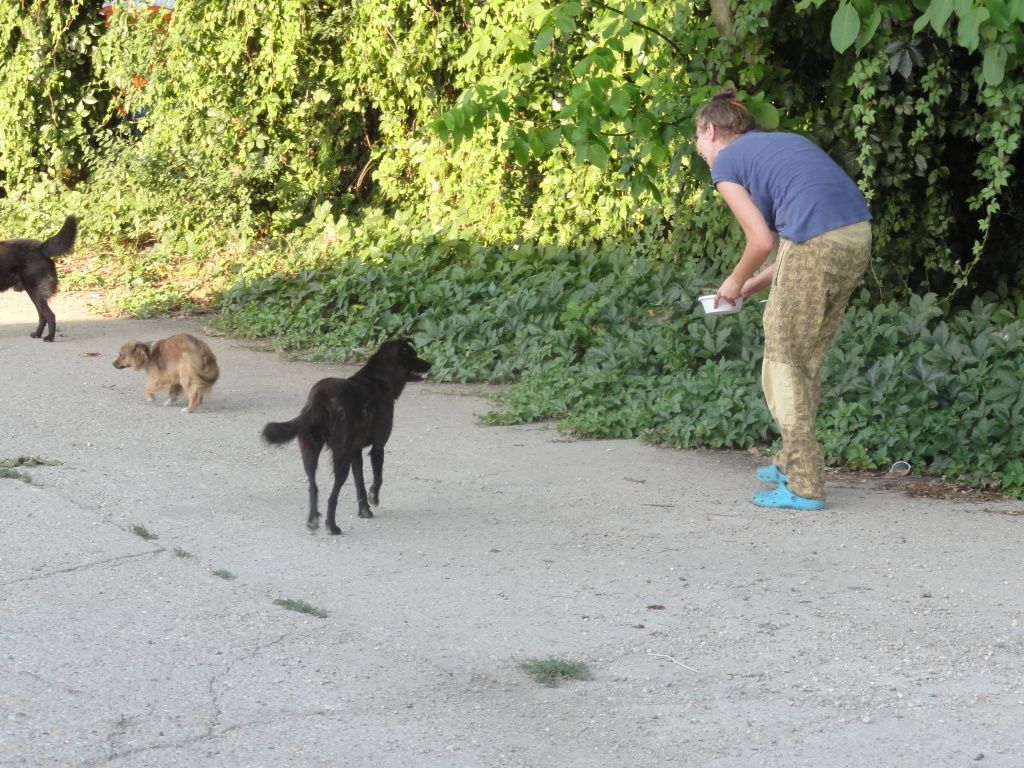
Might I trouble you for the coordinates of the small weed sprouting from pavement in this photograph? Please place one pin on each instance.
(8, 467)
(224, 574)
(142, 533)
(182, 552)
(301, 606)
(13, 474)
(552, 671)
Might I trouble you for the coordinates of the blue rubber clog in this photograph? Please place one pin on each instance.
(783, 498)
(771, 474)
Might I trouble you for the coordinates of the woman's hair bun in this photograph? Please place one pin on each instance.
(730, 116)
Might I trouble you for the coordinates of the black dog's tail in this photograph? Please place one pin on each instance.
(310, 420)
(63, 241)
(277, 432)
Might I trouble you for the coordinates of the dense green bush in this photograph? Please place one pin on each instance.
(200, 133)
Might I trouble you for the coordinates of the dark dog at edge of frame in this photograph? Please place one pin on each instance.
(27, 265)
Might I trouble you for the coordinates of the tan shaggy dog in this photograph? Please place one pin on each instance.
(181, 362)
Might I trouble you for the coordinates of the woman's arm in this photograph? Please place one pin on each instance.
(760, 239)
(758, 282)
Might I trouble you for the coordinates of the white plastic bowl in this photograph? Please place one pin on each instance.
(725, 306)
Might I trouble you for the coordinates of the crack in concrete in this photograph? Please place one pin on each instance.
(213, 730)
(217, 678)
(209, 736)
(84, 567)
(47, 681)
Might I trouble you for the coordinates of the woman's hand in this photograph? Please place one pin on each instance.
(731, 290)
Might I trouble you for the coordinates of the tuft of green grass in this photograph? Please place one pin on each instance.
(141, 532)
(29, 461)
(552, 671)
(13, 474)
(301, 606)
(182, 552)
(224, 574)
(8, 467)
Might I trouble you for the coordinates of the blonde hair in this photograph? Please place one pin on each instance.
(727, 114)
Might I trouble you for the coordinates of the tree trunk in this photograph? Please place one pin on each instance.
(722, 17)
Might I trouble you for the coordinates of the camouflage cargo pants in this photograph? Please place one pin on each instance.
(811, 286)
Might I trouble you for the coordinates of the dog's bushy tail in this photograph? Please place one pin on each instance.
(277, 432)
(63, 241)
(210, 374)
(207, 368)
(311, 421)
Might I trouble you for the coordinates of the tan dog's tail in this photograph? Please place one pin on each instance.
(202, 360)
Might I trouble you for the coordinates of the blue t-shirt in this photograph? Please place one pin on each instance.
(798, 188)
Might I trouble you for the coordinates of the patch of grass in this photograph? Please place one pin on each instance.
(182, 552)
(301, 606)
(13, 474)
(8, 467)
(552, 671)
(142, 533)
(224, 574)
(29, 461)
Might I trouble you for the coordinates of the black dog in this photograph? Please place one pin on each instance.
(27, 265)
(348, 415)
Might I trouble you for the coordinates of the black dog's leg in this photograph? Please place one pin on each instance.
(340, 474)
(377, 464)
(46, 317)
(357, 478)
(310, 449)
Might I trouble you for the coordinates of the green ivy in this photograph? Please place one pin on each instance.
(611, 343)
